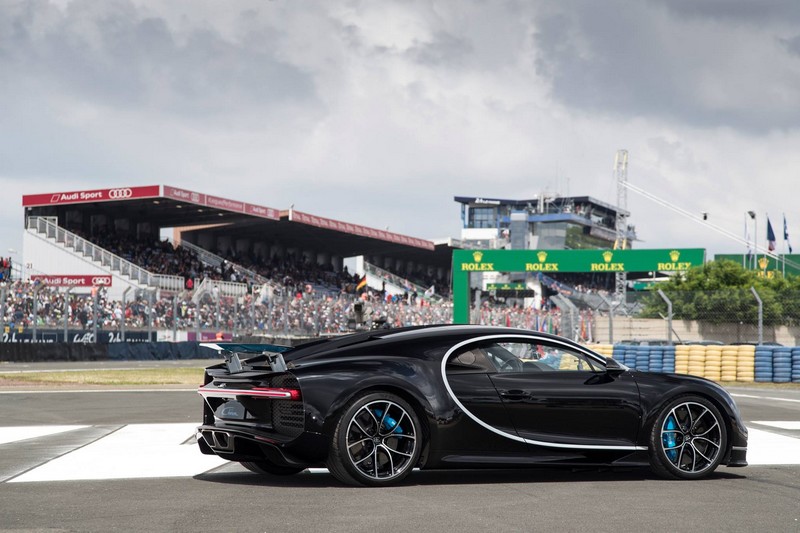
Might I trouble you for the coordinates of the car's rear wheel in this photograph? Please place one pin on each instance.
(377, 441)
(267, 468)
(688, 439)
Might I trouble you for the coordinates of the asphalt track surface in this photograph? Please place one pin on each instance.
(108, 461)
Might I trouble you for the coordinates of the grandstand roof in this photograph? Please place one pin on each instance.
(171, 207)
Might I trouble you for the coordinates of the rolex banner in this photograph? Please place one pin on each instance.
(551, 262)
(554, 261)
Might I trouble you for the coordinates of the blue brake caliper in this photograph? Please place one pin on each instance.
(669, 438)
(389, 423)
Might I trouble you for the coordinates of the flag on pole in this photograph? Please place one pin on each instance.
(786, 234)
(770, 237)
(362, 283)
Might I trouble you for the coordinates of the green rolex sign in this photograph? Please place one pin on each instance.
(555, 261)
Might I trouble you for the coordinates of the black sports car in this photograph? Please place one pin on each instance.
(372, 406)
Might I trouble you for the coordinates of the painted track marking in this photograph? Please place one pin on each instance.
(17, 433)
(168, 450)
(134, 451)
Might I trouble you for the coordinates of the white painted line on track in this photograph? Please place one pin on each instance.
(766, 448)
(82, 391)
(134, 451)
(158, 451)
(17, 433)
(765, 398)
(60, 370)
(780, 424)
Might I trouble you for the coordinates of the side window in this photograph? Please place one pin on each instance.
(535, 357)
(470, 360)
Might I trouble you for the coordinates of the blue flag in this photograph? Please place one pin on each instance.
(770, 236)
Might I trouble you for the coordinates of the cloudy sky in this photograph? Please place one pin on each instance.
(378, 113)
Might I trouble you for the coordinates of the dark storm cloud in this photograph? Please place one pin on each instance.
(111, 53)
(638, 60)
(792, 45)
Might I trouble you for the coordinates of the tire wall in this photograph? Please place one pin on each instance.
(743, 363)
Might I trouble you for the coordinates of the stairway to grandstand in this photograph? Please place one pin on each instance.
(104, 261)
(395, 284)
(229, 288)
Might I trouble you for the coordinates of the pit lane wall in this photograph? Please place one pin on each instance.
(746, 363)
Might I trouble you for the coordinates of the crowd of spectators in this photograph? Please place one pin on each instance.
(301, 313)
(306, 313)
(547, 319)
(291, 273)
(587, 283)
(5, 268)
(158, 256)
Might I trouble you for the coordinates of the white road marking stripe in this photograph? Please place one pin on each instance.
(156, 451)
(17, 433)
(766, 448)
(134, 451)
(780, 424)
(82, 391)
(765, 398)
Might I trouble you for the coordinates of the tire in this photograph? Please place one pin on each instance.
(268, 469)
(688, 439)
(377, 441)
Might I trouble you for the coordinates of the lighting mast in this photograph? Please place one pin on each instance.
(621, 175)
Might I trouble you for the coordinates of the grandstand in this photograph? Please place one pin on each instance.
(230, 266)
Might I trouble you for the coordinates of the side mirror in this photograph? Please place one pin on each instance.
(613, 367)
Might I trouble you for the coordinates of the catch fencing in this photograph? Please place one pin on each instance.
(710, 317)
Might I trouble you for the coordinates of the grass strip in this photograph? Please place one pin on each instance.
(144, 376)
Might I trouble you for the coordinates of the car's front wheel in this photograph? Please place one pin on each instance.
(377, 441)
(267, 468)
(688, 439)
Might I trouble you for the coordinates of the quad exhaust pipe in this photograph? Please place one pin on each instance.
(220, 441)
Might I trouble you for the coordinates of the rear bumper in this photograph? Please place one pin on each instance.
(738, 456)
(237, 445)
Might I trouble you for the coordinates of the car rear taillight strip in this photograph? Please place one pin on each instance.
(256, 392)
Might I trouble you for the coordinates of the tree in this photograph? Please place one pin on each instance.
(720, 291)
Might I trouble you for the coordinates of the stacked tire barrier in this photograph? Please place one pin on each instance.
(782, 365)
(745, 363)
(763, 364)
(795, 365)
(728, 365)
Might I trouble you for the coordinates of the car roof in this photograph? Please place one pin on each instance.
(411, 334)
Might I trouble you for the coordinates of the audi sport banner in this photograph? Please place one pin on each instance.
(94, 195)
(220, 203)
(69, 280)
(355, 229)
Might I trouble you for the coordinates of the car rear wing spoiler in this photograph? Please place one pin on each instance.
(231, 350)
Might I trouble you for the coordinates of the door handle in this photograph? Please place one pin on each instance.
(515, 395)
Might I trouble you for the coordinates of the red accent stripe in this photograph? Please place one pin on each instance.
(257, 392)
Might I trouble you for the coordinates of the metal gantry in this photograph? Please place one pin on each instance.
(621, 242)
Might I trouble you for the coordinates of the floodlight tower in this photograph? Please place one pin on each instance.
(621, 175)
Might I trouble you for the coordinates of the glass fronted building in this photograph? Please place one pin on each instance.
(541, 223)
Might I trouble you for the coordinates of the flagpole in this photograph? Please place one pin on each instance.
(783, 247)
(746, 238)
